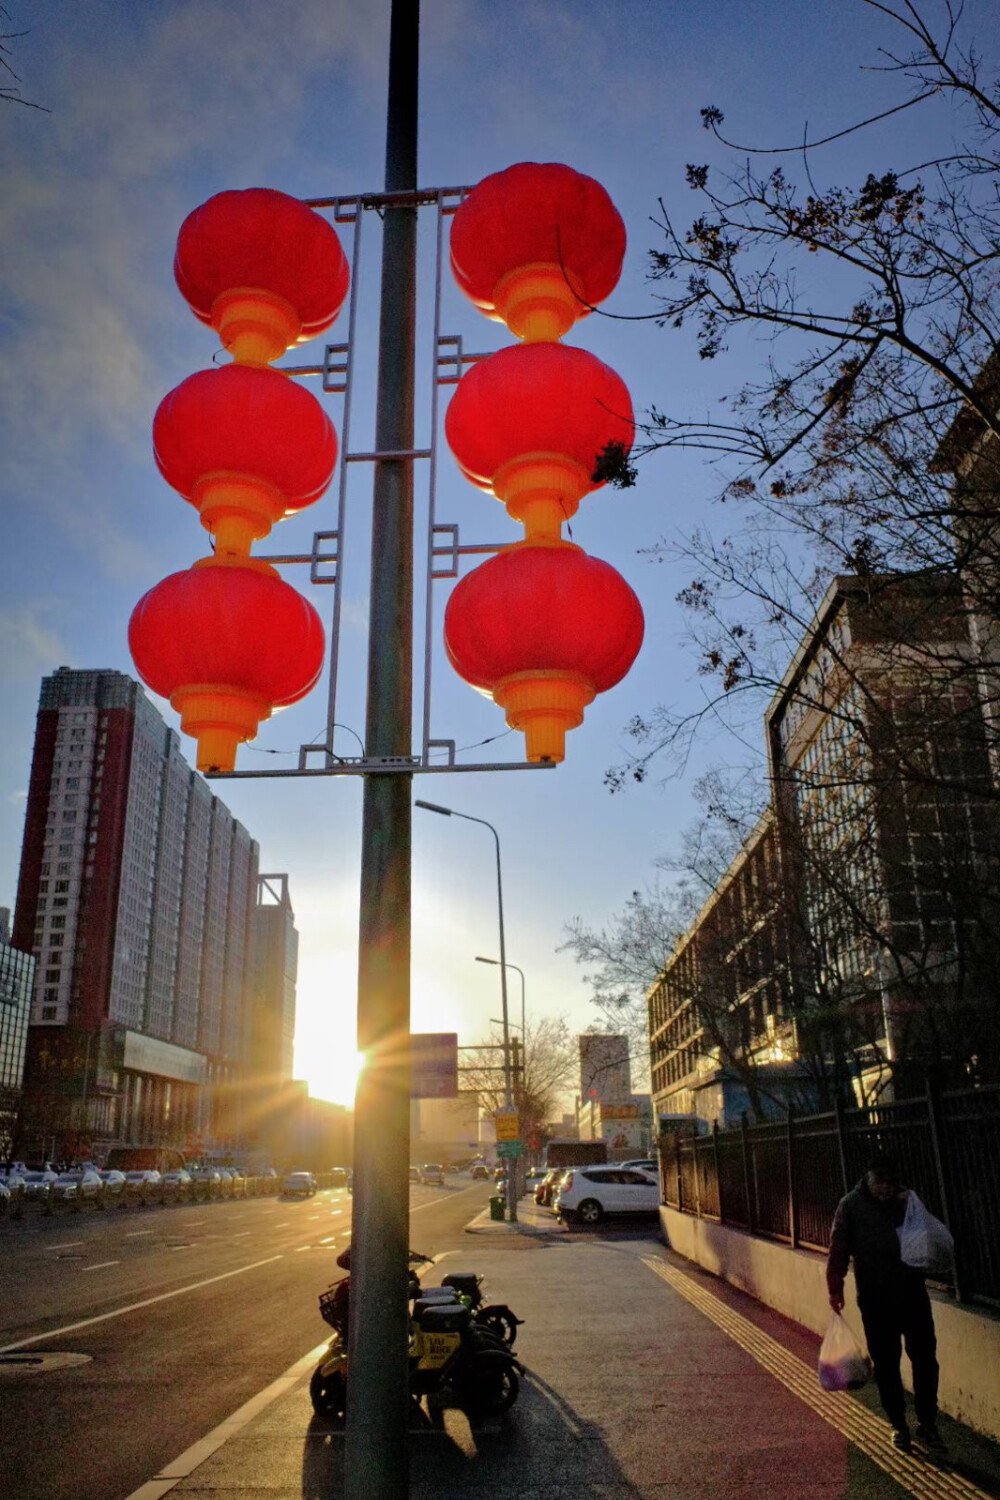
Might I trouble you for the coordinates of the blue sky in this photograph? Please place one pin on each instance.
(157, 106)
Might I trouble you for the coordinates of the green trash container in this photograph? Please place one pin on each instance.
(497, 1206)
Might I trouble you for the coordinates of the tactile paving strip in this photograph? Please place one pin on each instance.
(869, 1433)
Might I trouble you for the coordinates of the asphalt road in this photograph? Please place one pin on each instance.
(185, 1313)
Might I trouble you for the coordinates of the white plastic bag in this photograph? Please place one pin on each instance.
(843, 1364)
(924, 1242)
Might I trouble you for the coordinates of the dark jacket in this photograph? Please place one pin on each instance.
(865, 1228)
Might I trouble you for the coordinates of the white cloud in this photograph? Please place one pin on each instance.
(29, 643)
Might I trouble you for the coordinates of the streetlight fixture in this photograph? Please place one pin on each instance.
(496, 963)
(449, 812)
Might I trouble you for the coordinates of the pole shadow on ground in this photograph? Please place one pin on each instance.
(541, 1446)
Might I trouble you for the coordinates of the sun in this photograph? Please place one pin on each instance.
(332, 1075)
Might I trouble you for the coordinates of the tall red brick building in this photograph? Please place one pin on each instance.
(136, 895)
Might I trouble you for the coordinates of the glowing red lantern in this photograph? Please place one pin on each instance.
(536, 247)
(263, 269)
(227, 645)
(542, 629)
(528, 423)
(246, 447)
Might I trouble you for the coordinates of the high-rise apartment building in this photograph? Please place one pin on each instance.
(17, 982)
(136, 895)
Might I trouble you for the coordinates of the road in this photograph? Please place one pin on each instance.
(184, 1312)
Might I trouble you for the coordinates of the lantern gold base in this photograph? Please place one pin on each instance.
(238, 510)
(256, 326)
(541, 490)
(544, 705)
(219, 718)
(537, 302)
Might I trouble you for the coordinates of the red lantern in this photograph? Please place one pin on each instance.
(263, 269)
(542, 628)
(536, 247)
(227, 645)
(247, 447)
(528, 423)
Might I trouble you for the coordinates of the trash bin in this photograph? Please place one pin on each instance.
(497, 1206)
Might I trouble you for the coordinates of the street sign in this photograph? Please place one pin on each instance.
(434, 1065)
(509, 1148)
(508, 1125)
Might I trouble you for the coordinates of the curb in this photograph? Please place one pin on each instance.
(483, 1224)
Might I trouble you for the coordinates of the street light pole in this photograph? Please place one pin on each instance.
(376, 1466)
(449, 812)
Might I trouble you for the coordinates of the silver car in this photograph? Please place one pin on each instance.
(145, 1186)
(115, 1185)
(178, 1185)
(37, 1185)
(78, 1187)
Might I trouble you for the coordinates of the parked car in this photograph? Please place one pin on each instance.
(642, 1164)
(588, 1194)
(414, 1174)
(115, 1185)
(299, 1185)
(545, 1190)
(82, 1185)
(535, 1174)
(479, 1172)
(500, 1174)
(6, 1196)
(178, 1185)
(145, 1186)
(207, 1183)
(339, 1176)
(432, 1174)
(38, 1184)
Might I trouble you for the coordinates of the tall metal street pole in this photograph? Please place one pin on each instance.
(449, 812)
(376, 1466)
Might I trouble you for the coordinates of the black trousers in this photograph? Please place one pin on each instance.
(900, 1310)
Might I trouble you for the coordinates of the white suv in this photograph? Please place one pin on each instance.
(589, 1193)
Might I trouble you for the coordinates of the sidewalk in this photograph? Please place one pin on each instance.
(647, 1380)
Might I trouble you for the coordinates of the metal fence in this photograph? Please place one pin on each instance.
(783, 1179)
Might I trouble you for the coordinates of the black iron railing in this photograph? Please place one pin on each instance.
(783, 1179)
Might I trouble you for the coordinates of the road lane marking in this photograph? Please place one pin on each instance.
(118, 1312)
(283, 1225)
(299, 1248)
(192, 1458)
(190, 1223)
(861, 1427)
(328, 1239)
(102, 1265)
(242, 1233)
(68, 1245)
(137, 1234)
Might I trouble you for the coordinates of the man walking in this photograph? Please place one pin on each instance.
(892, 1298)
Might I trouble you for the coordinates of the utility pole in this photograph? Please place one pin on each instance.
(376, 1461)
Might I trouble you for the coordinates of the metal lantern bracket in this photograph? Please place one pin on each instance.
(443, 549)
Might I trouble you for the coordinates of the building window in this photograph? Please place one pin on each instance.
(52, 976)
(58, 921)
(56, 940)
(48, 1012)
(51, 995)
(60, 885)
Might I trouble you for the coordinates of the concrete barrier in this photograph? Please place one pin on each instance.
(793, 1282)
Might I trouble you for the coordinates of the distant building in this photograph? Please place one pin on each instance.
(605, 1070)
(17, 982)
(445, 1130)
(136, 896)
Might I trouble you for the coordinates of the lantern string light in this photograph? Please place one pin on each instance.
(229, 642)
(540, 626)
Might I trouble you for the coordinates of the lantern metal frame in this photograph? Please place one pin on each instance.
(444, 548)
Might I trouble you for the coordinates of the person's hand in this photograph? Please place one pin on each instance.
(837, 1301)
